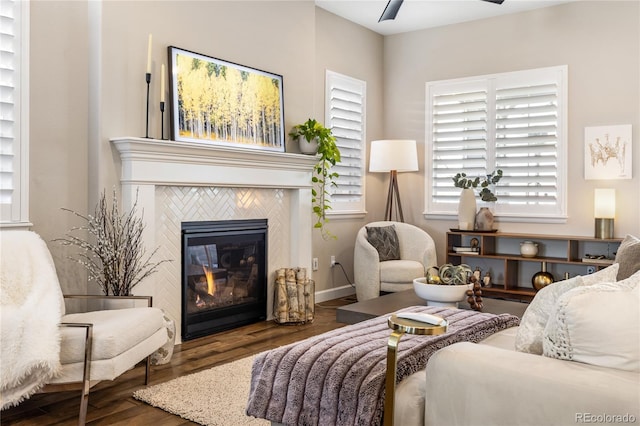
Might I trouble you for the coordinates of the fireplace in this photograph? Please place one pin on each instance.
(224, 278)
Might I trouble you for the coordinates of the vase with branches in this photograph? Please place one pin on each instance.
(114, 253)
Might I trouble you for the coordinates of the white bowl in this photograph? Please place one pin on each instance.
(440, 294)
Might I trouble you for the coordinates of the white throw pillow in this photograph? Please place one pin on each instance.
(597, 325)
(534, 320)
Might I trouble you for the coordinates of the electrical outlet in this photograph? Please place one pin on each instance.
(591, 269)
(314, 264)
(333, 261)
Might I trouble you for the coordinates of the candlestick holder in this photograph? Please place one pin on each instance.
(162, 120)
(148, 79)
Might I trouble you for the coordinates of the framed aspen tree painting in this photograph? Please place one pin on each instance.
(223, 103)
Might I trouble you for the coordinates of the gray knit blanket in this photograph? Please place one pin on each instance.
(338, 378)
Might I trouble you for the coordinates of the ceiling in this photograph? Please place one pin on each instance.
(420, 14)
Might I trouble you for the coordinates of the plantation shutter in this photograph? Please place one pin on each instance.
(12, 110)
(514, 122)
(345, 116)
(459, 136)
(527, 132)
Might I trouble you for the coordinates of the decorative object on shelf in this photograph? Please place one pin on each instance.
(528, 249)
(162, 92)
(484, 219)
(147, 78)
(323, 177)
(477, 273)
(487, 280)
(467, 209)
(115, 257)
(474, 295)
(393, 156)
(460, 180)
(604, 212)
(543, 278)
(218, 117)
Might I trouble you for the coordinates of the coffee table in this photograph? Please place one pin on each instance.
(361, 311)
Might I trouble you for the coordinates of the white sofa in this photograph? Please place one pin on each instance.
(575, 358)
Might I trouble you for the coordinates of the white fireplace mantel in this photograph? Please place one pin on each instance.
(151, 163)
(163, 162)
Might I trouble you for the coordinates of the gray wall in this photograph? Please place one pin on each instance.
(88, 60)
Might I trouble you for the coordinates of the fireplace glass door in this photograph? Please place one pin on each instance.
(223, 275)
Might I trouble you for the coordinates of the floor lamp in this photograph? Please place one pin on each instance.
(393, 156)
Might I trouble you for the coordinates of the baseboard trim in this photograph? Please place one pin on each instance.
(334, 293)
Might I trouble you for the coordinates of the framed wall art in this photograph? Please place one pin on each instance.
(223, 103)
(607, 152)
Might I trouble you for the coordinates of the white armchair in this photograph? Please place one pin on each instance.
(44, 349)
(417, 254)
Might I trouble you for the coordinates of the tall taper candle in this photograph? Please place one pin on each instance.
(162, 83)
(149, 56)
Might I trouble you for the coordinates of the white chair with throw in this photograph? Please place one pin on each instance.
(388, 256)
(43, 348)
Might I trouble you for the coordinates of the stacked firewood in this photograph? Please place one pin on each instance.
(294, 296)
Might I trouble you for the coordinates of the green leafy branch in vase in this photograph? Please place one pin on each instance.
(460, 180)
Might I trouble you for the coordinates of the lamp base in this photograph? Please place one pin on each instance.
(604, 228)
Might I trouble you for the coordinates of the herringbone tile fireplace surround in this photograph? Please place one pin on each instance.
(177, 182)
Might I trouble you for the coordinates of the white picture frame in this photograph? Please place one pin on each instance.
(608, 152)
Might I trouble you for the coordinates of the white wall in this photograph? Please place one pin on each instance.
(600, 43)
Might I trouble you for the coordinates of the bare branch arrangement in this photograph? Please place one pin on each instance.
(114, 255)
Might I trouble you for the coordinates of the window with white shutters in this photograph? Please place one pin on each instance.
(14, 93)
(345, 116)
(515, 122)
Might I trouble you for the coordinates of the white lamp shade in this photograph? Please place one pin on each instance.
(605, 203)
(393, 154)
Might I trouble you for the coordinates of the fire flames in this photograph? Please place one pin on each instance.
(211, 284)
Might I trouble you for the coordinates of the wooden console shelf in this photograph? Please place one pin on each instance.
(499, 254)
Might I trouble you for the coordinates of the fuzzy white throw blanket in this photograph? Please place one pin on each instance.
(32, 305)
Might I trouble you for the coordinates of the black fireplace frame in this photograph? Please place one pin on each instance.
(204, 323)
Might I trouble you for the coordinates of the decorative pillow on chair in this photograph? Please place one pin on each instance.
(385, 240)
(628, 256)
(534, 320)
(597, 325)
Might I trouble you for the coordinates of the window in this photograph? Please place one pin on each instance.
(345, 116)
(515, 122)
(14, 123)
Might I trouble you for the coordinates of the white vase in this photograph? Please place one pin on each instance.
(467, 209)
(307, 147)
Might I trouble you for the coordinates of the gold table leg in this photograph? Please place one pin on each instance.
(390, 385)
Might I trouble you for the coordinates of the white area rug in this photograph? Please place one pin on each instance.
(217, 396)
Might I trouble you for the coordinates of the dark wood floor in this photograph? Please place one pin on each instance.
(111, 403)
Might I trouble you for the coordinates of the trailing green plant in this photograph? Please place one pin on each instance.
(460, 180)
(114, 253)
(323, 177)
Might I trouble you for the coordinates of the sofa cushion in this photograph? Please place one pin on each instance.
(586, 317)
(385, 240)
(628, 257)
(534, 320)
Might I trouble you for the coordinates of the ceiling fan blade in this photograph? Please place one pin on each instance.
(495, 1)
(391, 10)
